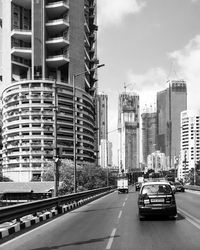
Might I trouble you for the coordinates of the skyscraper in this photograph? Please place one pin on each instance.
(190, 141)
(0, 41)
(103, 128)
(128, 127)
(103, 116)
(149, 132)
(49, 49)
(170, 103)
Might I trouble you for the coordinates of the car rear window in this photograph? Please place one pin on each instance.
(156, 189)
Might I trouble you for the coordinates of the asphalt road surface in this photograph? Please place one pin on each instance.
(112, 223)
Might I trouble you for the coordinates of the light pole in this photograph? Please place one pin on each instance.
(74, 119)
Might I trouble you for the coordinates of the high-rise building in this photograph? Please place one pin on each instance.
(128, 128)
(149, 132)
(190, 141)
(103, 116)
(105, 153)
(170, 103)
(0, 41)
(156, 161)
(49, 56)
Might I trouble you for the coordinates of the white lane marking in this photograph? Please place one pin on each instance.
(124, 204)
(120, 214)
(110, 241)
(194, 221)
(126, 199)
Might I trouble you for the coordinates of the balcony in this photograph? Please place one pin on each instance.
(57, 8)
(24, 35)
(25, 4)
(57, 25)
(57, 60)
(57, 42)
(23, 52)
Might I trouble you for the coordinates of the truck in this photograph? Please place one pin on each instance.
(122, 184)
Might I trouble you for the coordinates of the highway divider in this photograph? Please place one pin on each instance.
(45, 209)
(192, 187)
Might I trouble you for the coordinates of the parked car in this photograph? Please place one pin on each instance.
(179, 187)
(156, 198)
(138, 186)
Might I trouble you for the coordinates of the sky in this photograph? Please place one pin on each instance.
(144, 43)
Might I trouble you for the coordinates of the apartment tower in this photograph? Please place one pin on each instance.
(0, 41)
(190, 141)
(49, 56)
(149, 132)
(170, 103)
(128, 128)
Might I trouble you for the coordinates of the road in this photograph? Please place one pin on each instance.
(112, 223)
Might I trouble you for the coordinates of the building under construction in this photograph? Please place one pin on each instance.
(128, 128)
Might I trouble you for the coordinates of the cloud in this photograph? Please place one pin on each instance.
(188, 63)
(148, 84)
(113, 11)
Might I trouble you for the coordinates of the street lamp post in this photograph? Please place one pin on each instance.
(74, 119)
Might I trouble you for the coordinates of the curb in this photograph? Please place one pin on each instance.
(18, 226)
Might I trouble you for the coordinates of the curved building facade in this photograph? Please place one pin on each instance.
(49, 59)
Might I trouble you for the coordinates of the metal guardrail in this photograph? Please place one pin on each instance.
(192, 187)
(18, 211)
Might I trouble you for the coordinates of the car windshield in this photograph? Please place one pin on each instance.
(156, 189)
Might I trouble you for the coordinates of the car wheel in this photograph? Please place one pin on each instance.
(172, 217)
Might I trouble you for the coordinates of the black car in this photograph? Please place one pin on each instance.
(156, 198)
(179, 187)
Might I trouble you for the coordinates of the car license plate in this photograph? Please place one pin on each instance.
(157, 200)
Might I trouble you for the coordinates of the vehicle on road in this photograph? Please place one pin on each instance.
(172, 186)
(138, 186)
(156, 198)
(179, 187)
(122, 184)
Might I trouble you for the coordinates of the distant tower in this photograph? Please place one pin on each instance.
(170, 103)
(103, 128)
(103, 116)
(128, 128)
(190, 141)
(149, 130)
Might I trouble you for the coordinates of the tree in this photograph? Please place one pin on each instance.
(89, 176)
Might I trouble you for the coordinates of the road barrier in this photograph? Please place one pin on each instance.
(192, 187)
(18, 211)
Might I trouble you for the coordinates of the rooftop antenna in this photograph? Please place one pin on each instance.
(172, 71)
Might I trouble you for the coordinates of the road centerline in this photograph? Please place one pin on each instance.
(110, 241)
(120, 214)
